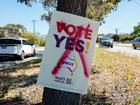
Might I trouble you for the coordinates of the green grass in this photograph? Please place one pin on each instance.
(112, 73)
(22, 74)
(115, 73)
(109, 60)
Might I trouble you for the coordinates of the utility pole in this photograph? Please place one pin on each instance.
(116, 35)
(34, 21)
(116, 31)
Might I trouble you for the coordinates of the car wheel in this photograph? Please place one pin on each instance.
(111, 46)
(22, 56)
(134, 47)
(34, 53)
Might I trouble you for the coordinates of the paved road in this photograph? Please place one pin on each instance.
(6, 63)
(126, 50)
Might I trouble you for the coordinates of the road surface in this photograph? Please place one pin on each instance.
(125, 50)
(6, 63)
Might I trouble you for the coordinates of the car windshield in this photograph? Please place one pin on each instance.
(105, 38)
(9, 41)
(137, 39)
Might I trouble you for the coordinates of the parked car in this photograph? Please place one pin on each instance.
(136, 43)
(106, 41)
(17, 47)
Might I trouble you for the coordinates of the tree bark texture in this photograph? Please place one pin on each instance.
(77, 7)
(58, 97)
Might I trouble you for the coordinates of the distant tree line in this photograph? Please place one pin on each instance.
(38, 40)
(126, 37)
(131, 36)
(14, 30)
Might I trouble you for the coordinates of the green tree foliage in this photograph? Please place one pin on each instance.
(29, 36)
(125, 37)
(1, 31)
(136, 29)
(13, 29)
(40, 41)
(96, 9)
(116, 38)
(18, 28)
(130, 37)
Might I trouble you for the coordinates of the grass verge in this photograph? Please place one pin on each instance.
(114, 80)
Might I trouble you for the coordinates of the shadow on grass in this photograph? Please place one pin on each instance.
(28, 80)
(86, 100)
(25, 81)
(8, 83)
(94, 70)
(14, 101)
(19, 81)
(23, 65)
(93, 99)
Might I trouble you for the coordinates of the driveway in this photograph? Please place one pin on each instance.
(6, 63)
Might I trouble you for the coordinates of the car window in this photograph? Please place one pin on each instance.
(9, 41)
(25, 42)
(137, 40)
(105, 38)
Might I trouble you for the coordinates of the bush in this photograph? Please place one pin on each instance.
(128, 37)
(42, 41)
(35, 39)
(29, 36)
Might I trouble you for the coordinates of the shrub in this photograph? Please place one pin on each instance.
(35, 39)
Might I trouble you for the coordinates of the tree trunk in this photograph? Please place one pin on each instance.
(77, 7)
(58, 97)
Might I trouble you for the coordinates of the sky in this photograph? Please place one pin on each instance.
(17, 13)
(124, 19)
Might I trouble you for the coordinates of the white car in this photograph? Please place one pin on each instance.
(16, 46)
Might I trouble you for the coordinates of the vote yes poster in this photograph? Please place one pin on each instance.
(68, 54)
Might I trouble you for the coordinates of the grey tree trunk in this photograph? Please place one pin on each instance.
(57, 97)
(77, 7)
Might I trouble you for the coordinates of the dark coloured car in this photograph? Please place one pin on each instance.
(136, 43)
(106, 41)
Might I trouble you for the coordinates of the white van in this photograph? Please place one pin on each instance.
(17, 47)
